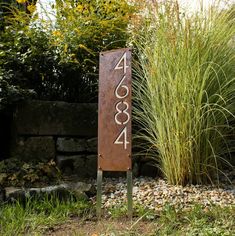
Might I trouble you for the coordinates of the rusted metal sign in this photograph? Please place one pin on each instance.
(114, 125)
(114, 122)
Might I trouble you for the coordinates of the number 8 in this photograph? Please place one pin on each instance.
(120, 112)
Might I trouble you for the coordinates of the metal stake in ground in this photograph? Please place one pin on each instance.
(99, 193)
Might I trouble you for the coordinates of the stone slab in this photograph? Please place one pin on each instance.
(71, 145)
(80, 190)
(74, 164)
(92, 145)
(34, 148)
(56, 118)
(80, 165)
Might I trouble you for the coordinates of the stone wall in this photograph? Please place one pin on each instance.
(65, 132)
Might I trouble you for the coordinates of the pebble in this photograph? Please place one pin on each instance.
(155, 193)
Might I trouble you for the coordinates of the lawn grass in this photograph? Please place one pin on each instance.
(213, 220)
(54, 217)
(36, 215)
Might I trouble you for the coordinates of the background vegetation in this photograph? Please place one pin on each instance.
(58, 58)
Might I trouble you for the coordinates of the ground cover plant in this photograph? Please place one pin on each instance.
(184, 90)
(15, 172)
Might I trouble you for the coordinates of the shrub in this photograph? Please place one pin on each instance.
(185, 90)
(59, 61)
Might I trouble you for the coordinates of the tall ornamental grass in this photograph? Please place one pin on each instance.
(184, 90)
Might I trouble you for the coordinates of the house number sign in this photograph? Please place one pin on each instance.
(114, 120)
(114, 126)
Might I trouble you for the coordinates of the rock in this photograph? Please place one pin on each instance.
(92, 145)
(56, 118)
(63, 192)
(88, 189)
(79, 190)
(71, 145)
(80, 166)
(15, 194)
(155, 193)
(57, 191)
(72, 164)
(135, 190)
(91, 165)
(37, 148)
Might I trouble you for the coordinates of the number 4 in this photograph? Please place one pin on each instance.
(118, 139)
(118, 66)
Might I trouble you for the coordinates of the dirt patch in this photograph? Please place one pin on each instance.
(103, 227)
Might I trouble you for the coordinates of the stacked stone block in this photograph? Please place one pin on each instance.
(64, 132)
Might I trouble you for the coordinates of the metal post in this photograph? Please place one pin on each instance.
(99, 193)
(129, 194)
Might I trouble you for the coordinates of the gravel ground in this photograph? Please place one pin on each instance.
(155, 193)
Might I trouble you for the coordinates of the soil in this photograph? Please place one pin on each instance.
(104, 227)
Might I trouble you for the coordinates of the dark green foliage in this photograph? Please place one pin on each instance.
(59, 61)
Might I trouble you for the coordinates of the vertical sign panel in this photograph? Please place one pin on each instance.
(114, 126)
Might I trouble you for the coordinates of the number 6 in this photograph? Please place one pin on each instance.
(121, 86)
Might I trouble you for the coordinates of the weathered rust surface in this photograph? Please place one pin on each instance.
(114, 95)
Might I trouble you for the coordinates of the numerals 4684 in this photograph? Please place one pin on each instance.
(121, 92)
